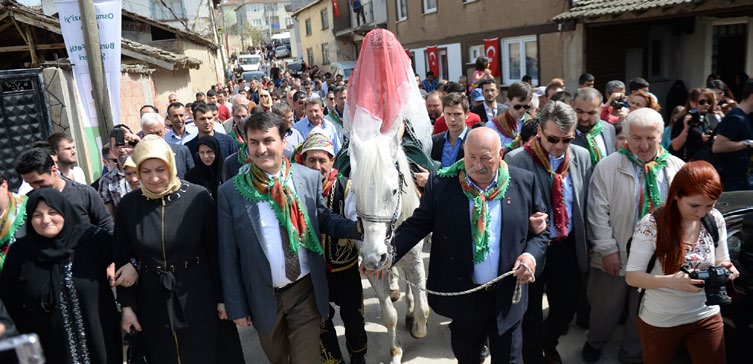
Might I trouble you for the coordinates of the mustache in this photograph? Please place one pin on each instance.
(482, 170)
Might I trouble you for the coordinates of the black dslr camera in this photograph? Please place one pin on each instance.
(715, 281)
(620, 103)
(695, 118)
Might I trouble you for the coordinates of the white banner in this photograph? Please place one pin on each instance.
(109, 23)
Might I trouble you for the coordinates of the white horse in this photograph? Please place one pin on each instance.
(385, 197)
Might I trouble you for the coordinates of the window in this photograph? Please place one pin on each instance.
(430, 6)
(325, 19)
(310, 56)
(308, 26)
(325, 53)
(474, 52)
(255, 7)
(256, 22)
(520, 56)
(402, 9)
(289, 21)
(167, 10)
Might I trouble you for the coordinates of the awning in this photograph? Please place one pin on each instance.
(595, 8)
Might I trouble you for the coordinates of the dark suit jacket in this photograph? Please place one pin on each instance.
(609, 138)
(183, 160)
(444, 210)
(244, 269)
(438, 144)
(481, 111)
(580, 175)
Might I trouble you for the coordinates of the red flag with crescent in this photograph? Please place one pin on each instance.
(432, 54)
(491, 50)
(335, 9)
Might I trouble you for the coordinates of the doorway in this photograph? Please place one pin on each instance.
(728, 52)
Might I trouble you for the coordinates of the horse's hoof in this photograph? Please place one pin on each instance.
(409, 321)
(394, 295)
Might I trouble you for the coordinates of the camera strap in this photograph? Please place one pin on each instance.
(708, 223)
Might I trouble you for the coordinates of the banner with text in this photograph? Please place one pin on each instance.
(491, 49)
(109, 21)
(432, 54)
(108, 13)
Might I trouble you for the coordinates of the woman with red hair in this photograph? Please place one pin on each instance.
(674, 311)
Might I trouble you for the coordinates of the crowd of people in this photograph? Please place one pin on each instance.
(235, 209)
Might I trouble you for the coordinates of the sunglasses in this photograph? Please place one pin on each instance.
(518, 107)
(556, 140)
(703, 102)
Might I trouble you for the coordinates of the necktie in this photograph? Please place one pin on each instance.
(292, 266)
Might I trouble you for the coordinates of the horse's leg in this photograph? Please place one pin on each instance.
(394, 286)
(409, 302)
(389, 316)
(414, 272)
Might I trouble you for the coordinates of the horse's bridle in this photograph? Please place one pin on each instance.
(390, 220)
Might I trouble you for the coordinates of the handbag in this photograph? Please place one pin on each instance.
(136, 348)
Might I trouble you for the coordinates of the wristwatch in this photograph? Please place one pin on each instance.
(747, 143)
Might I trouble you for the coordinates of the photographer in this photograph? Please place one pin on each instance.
(692, 130)
(615, 110)
(675, 241)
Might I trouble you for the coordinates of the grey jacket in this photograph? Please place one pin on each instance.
(244, 269)
(580, 174)
(609, 138)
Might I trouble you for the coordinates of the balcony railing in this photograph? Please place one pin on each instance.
(347, 19)
(343, 21)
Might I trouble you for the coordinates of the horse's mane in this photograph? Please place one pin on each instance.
(374, 158)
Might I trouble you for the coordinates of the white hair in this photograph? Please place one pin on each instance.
(151, 118)
(644, 118)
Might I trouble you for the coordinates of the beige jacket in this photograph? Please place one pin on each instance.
(611, 206)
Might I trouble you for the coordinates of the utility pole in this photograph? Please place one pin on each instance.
(100, 91)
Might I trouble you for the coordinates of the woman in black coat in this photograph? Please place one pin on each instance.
(54, 284)
(170, 228)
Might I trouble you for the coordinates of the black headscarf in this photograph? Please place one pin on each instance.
(57, 250)
(59, 293)
(208, 176)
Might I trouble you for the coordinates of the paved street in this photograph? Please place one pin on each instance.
(435, 348)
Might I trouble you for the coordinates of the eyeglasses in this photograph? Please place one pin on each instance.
(556, 140)
(331, 98)
(703, 102)
(518, 107)
(263, 95)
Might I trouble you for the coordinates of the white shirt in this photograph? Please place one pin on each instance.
(78, 175)
(272, 244)
(490, 111)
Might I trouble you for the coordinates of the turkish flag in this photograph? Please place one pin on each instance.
(433, 55)
(335, 9)
(491, 49)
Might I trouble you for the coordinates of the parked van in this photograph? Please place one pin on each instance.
(342, 68)
(250, 62)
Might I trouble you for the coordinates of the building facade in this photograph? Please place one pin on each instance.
(316, 34)
(528, 40)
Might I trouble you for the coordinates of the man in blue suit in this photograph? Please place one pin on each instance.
(475, 239)
(271, 215)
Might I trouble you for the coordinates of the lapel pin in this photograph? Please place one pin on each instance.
(508, 200)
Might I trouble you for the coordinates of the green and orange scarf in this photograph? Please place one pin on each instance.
(13, 217)
(255, 186)
(556, 182)
(480, 215)
(592, 145)
(650, 192)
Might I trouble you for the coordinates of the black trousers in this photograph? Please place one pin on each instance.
(561, 281)
(467, 337)
(345, 291)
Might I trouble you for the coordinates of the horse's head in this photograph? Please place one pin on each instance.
(378, 183)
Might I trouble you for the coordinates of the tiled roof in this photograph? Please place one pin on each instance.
(595, 8)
